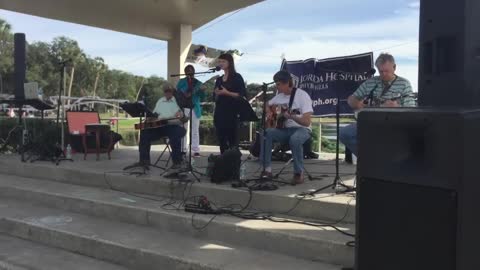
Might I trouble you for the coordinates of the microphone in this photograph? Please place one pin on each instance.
(371, 72)
(217, 68)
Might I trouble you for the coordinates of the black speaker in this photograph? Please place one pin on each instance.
(20, 67)
(449, 61)
(418, 184)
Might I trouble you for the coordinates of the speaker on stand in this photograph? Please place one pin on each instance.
(20, 69)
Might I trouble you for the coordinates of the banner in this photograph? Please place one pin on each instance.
(326, 79)
(207, 57)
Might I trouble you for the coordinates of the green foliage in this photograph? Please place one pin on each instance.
(130, 137)
(329, 146)
(43, 133)
(91, 76)
(6, 55)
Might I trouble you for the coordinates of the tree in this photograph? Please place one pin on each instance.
(6, 56)
(43, 68)
(67, 50)
(87, 75)
(100, 67)
(5, 33)
(152, 90)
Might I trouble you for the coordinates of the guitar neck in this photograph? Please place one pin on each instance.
(158, 123)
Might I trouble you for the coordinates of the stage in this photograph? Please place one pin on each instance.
(101, 189)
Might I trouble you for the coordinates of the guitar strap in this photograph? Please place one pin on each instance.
(292, 97)
(385, 89)
(190, 85)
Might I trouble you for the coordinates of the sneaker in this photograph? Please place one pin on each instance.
(266, 175)
(196, 155)
(176, 167)
(298, 179)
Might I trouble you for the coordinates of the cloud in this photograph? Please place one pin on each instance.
(139, 62)
(414, 5)
(263, 42)
(397, 35)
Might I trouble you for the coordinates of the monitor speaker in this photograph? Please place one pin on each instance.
(418, 186)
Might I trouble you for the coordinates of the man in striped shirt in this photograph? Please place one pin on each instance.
(386, 90)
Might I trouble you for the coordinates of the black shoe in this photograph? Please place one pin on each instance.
(266, 176)
(141, 164)
(311, 155)
(174, 170)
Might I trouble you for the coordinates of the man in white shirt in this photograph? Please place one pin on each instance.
(166, 107)
(297, 128)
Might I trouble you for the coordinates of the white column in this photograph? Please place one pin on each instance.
(178, 48)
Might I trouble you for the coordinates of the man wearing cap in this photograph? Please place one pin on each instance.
(297, 126)
(166, 107)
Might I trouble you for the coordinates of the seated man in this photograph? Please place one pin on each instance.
(166, 107)
(296, 130)
(386, 90)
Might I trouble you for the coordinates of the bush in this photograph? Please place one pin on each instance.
(42, 133)
(208, 136)
(130, 137)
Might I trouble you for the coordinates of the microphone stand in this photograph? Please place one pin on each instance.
(243, 183)
(338, 184)
(190, 170)
(264, 121)
(61, 89)
(210, 71)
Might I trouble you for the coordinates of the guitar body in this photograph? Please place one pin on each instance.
(275, 118)
(184, 99)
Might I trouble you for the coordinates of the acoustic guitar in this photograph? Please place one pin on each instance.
(275, 118)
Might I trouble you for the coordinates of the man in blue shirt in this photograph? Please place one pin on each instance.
(193, 94)
(166, 108)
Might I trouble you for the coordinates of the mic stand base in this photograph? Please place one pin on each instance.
(57, 162)
(61, 158)
(144, 168)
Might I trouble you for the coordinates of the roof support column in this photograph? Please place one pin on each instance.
(178, 48)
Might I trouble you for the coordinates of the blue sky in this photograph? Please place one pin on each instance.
(298, 29)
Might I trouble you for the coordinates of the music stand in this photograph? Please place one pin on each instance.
(137, 110)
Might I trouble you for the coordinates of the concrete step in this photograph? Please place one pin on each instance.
(324, 206)
(311, 243)
(134, 246)
(18, 254)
